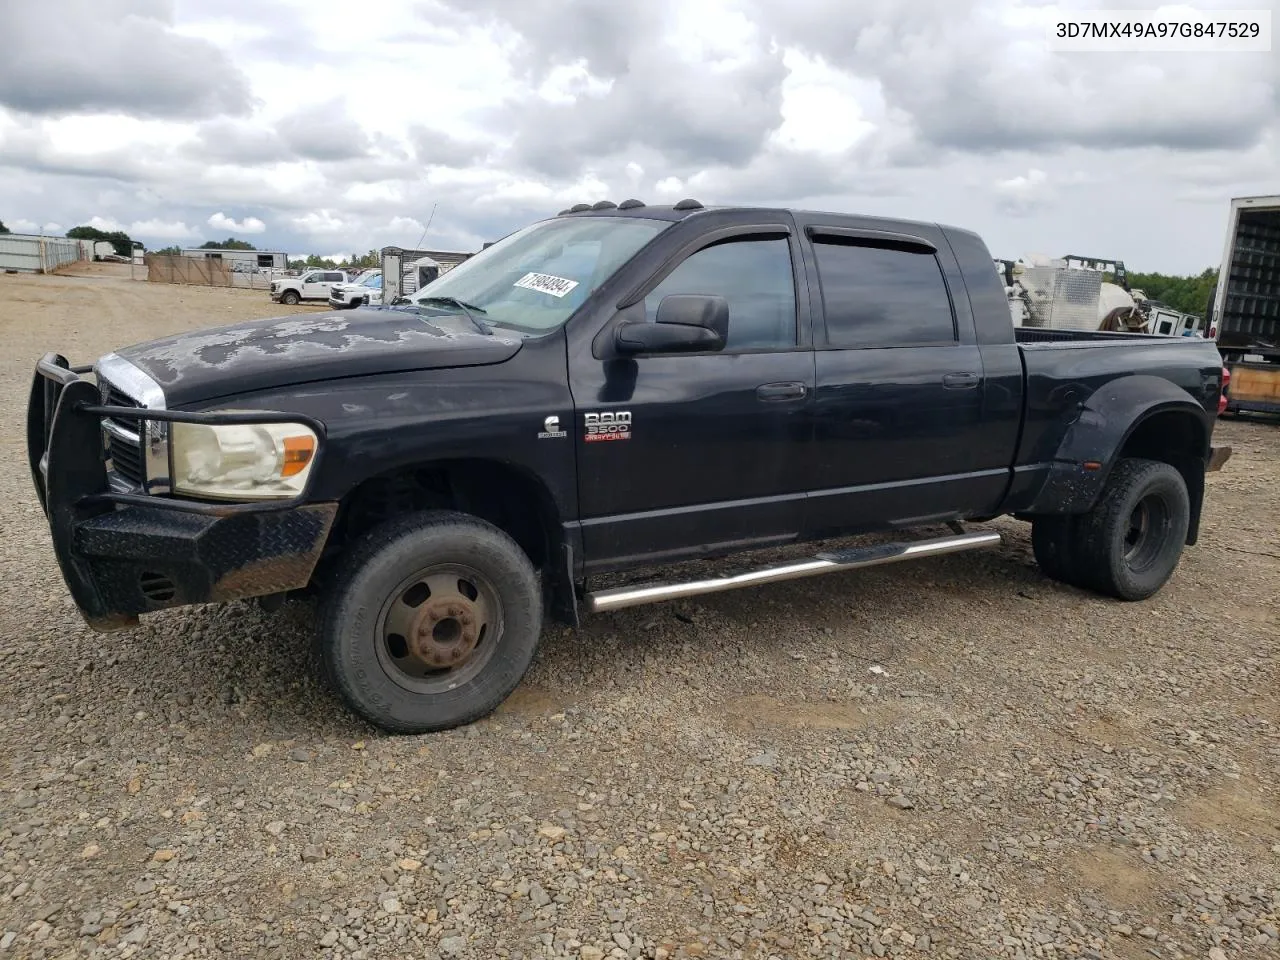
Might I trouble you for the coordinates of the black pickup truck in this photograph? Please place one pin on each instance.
(613, 388)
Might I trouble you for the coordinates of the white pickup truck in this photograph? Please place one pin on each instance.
(311, 285)
(365, 290)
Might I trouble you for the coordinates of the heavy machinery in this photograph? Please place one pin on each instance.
(1072, 293)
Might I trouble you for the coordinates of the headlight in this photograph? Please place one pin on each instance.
(244, 461)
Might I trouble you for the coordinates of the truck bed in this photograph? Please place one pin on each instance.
(1063, 367)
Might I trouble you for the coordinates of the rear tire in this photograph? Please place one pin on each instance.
(1053, 541)
(432, 621)
(290, 297)
(1132, 539)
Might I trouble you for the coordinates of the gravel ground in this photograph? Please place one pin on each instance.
(953, 759)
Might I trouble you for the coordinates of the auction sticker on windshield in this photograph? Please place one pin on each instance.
(546, 283)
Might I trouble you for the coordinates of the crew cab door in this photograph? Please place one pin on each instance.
(899, 412)
(684, 454)
(316, 285)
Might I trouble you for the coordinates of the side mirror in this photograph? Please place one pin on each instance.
(686, 323)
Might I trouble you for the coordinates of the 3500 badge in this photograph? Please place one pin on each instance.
(607, 426)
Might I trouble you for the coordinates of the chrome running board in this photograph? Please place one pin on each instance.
(855, 558)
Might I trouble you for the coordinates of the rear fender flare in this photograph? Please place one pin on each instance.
(1105, 423)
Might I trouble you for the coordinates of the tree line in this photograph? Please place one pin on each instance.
(1184, 294)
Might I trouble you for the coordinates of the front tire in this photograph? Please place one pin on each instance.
(432, 622)
(1132, 539)
(290, 297)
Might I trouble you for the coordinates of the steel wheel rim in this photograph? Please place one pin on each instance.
(1145, 533)
(438, 628)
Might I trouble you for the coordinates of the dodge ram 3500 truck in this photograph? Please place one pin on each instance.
(613, 388)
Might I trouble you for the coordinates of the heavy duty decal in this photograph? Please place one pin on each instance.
(546, 283)
(608, 426)
(551, 429)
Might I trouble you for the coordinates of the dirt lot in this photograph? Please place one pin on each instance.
(958, 758)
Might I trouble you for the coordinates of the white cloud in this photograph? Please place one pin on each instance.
(1024, 193)
(105, 224)
(399, 225)
(494, 113)
(19, 225)
(219, 221)
(161, 229)
(320, 222)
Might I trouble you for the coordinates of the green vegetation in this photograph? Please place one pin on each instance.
(1184, 294)
(117, 238)
(231, 243)
(3, 228)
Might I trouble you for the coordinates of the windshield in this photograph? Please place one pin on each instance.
(373, 280)
(534, 279)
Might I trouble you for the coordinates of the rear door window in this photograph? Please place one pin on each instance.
(882, 296)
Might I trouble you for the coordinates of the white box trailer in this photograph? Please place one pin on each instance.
(1244, 308)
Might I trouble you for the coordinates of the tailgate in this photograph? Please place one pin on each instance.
(1254, 385)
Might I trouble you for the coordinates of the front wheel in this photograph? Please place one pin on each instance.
(290, 297)
(432, 622)
(1132, 539)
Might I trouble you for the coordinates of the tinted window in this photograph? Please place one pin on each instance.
(333, 276)
(754, 276)
(880, 296)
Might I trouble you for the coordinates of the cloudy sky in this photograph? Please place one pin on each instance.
(320, 126)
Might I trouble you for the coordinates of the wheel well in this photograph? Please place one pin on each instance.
(1176, 438)
(511, 500)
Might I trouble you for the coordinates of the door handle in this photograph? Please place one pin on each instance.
(960, 381)
(772, 392)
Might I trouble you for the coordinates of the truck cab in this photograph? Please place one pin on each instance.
(309, 285)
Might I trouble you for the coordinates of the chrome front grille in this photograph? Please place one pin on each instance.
(137, 450)
(122, 438)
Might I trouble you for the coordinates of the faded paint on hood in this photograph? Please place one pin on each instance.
(283, 351)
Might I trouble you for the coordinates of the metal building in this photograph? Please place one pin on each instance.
(261, 259)
(29, 253)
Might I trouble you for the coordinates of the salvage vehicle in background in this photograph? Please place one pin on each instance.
(366, 289)
(1244, 307)
(311, 285)
(613, 388)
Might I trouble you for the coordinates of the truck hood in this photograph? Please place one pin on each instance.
(283, 351)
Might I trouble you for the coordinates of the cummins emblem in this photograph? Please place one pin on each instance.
(551, 429)
(608, 426)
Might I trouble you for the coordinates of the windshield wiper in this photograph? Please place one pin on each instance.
(466, 308)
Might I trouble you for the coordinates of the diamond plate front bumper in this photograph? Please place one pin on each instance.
(126, 554)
